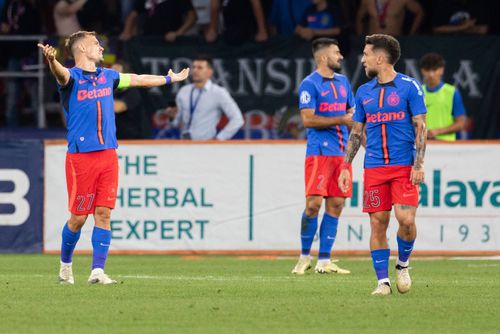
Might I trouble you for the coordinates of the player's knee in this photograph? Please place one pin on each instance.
(379, 225)
(312, 209)
(335, 209)
(407, 222)
(102, 214)
(76, 222)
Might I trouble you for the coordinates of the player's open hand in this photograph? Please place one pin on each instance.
(344, 180)
(417, 175)
(182, 75)
(48, 51)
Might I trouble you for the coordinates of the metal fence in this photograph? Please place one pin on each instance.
(30, 71)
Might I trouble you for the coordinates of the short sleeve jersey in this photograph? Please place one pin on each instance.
(87, 101)
(329, 98)
(387, 110)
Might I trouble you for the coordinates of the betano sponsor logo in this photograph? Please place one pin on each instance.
(336, 106)
(437, 193)
(93, 94)
(385, 117)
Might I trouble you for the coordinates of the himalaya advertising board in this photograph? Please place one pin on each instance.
(238, 196)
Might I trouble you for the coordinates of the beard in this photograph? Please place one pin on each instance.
(334, 66)
(371, 73)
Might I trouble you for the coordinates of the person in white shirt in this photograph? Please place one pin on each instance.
(201, 104)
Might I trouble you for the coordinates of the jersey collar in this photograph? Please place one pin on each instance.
(392, 83)
(323, 79)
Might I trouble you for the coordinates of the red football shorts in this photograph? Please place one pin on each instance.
(322, 173)
(92, 180)
(385, 186)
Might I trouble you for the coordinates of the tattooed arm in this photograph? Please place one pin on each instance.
(417, 171)
(355, 141)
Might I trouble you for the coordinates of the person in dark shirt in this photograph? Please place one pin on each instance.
(286, 15)
(322, 19)
(168, 18)
(131, 121)
(461, 16)
(239, 26)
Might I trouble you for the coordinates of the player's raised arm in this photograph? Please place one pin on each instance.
(353, 144)
(417, 171)
(148, 80)
(60, 72)
(310, 120)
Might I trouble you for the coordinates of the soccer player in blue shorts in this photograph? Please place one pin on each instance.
(326, 105)
(91, 162)
(391, 107)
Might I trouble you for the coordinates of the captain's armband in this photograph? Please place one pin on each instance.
(124, 81)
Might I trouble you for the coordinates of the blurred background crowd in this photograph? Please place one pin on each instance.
(225, 23)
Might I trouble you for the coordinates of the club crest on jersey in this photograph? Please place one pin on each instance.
(101, 79)
(393, 99)
(343, 91)
(305, 97)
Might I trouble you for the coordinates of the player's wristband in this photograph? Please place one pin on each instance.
(168, 79)
(345, 165)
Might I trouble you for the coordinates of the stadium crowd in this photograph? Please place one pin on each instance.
(232, 22)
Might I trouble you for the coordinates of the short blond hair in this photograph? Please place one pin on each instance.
(75, 37)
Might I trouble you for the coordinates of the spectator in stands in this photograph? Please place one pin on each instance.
(445, 109)
(131, 121)
(202, 103)
(286, 15)
(321, 19)
(202, 9)
(387, 16)
(100, 16)
(165, 123)
(239, 26)
(461, 16)
(126, 6)
(65, 18)
(168, 18)
(19, 17)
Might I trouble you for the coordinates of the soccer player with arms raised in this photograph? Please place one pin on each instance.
(391, 107)
(91, 162)
(326, 106)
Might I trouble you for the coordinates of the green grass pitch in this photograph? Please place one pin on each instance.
(215, 294)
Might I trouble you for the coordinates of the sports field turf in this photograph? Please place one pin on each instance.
(170, 294)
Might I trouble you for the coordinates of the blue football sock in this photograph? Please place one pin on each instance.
(404, 249)
(101, 239)
(327, 234)
(380, 258)
(307, 233)
(69, 240)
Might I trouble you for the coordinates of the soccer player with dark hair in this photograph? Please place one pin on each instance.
(326, 105)
(391, 107)
(91, 162)
(445, 110)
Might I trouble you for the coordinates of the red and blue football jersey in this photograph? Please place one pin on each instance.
(329, 98)
(87, 101)
(387, 109)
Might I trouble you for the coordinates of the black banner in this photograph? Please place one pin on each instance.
(263, 78)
